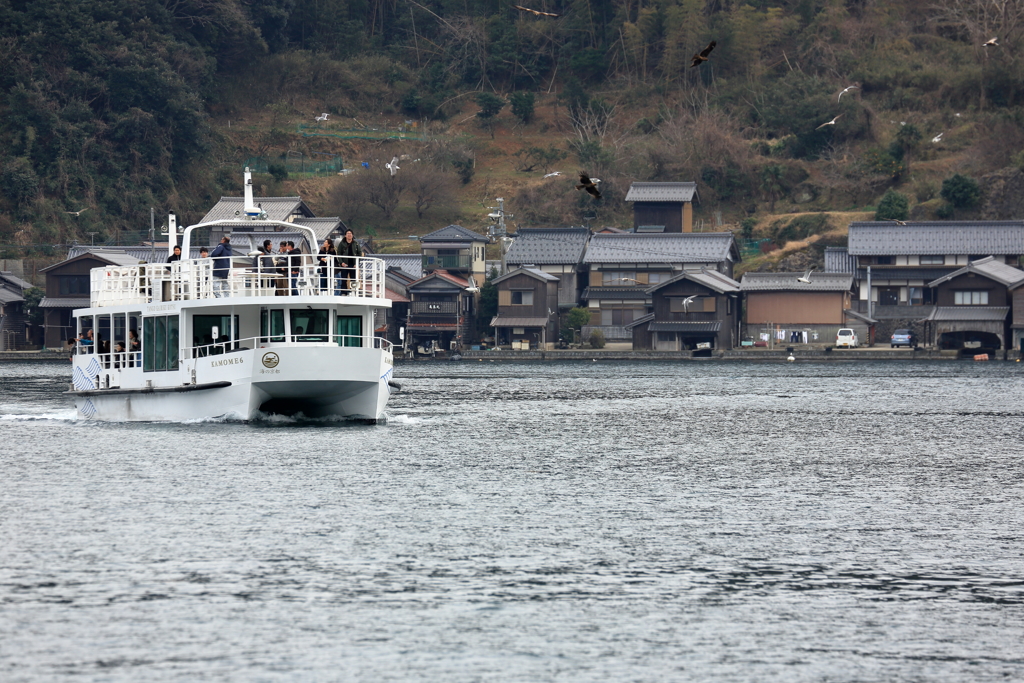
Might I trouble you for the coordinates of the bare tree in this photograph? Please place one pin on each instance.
(429, 186)
(382, 189)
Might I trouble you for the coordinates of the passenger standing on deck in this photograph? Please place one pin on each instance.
(348, 249)
(176, 256)
(294, 266)
(325, 258)
(221, 264)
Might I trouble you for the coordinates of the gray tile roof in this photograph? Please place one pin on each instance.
(988, 267)
(709, 278)
(453, 233)
(64, 302)
(540, 246)
(838, 260)
(776, 282)
(9, 297)
(501, 321)
(277, 208)
(680, 247)
(14, 280)
(615, 293)
(885, 238)
(639, 321)
(134, 253)
(120, 256)
(408, 263)
(661, 192)
(969, 313)
(532, 272)
(859, 316)
(321, 227)
(687, 326)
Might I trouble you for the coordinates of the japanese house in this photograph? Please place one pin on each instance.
(691, 311)
(527, 309)
(787, 310)
(972, 306)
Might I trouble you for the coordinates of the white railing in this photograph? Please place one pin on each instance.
(267, 341)
(275, 275)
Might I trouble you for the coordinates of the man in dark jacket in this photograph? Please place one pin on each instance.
(347, 250)
(221, 264)
(294, 266)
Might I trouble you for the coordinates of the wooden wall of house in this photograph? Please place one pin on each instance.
(823, 308)
(58, 326)
(998, 295)
(523, 282)
(1017, 314)
(77, 267)
(669, 214)
(698, 310)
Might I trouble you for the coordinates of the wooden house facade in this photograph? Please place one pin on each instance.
(527, 309)
(972, 307)
(692, 311)
(789, 310)
(662, 207)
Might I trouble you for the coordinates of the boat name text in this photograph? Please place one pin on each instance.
(225, 361)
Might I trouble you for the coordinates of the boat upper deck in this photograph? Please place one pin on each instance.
(359, 278)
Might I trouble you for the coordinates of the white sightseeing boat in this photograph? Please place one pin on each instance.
(172, 341)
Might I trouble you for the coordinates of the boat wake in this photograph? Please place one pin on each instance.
(62, 416)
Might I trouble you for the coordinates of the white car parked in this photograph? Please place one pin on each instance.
(847, 338)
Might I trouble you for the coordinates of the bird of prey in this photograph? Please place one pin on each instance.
(702, 56)
(829, 123)
(77, 213)
(938, 137)
(991, 42)
(846, 90)
(322, 117)
(536, 13)
(589, 185)
(806, 279)
(686, 303)
(393, 166)
(552, 174)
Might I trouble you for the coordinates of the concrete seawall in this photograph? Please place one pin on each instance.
(747, 355)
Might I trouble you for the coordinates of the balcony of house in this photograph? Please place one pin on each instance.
(440, 313)
(432, 262)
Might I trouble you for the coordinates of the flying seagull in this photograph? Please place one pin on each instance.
(536, 13)
(702, 56)
(589, 185)
(846, 90)
(938, 137)
(322, 117)
(991, 42)
(687, 301)
(829, 123)
(393, 166)
(552, 174)
(77, 213)
(806, 279)
(896, 221)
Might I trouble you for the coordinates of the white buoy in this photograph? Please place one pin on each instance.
(791, 358)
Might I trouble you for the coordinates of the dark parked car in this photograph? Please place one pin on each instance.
(903, 338)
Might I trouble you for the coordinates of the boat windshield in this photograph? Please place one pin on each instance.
(311, 324)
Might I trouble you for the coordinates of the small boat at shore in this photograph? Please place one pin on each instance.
(190, 340)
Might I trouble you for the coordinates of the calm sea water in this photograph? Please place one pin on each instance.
(585, 521)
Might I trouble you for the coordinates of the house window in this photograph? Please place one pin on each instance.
(933, 260)
(888, 296)
(618, 278)
(522, 298)
(885, 260)
(973, 297)
(619, 316)
(666, 336)
(70, 285)
(916, 296)
(657, 278)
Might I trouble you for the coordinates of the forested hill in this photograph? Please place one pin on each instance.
(112, 106)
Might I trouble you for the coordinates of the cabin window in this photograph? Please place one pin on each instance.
(71, 285)
(349, 330)
(932, 260)
(160, 343)
(272, 325)
(214, 334)
(522, 298)
(974, 297)
(310, 325)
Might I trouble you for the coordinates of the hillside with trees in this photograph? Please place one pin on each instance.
(111, 107)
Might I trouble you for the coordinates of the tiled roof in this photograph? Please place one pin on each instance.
(443, 275)
(908, 273)
(499, 321)
(64, 302)
(615, 293)
(838, 260)
(639, 321)
(681, 247)
(661, 192)
(9, 297)
(548, 245)
(321, 227)
(277, 208)
(859, 316)
(453, 233)
(394, 296)
(134, 253)
(987, 267)
(819, 282)
(711, 279)
(409, 263)
(687, 326)
(15, 280)
(936, 237)
(532, 272)
(969, 313)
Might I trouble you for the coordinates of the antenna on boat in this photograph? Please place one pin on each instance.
(172, 233)
(251, 211)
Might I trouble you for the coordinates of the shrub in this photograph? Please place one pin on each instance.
(278, 171)
(893, 206)
(961, 191)
(596, 339)
(522, 106)
(944, 212)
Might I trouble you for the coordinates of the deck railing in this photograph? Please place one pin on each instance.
(274, 275)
